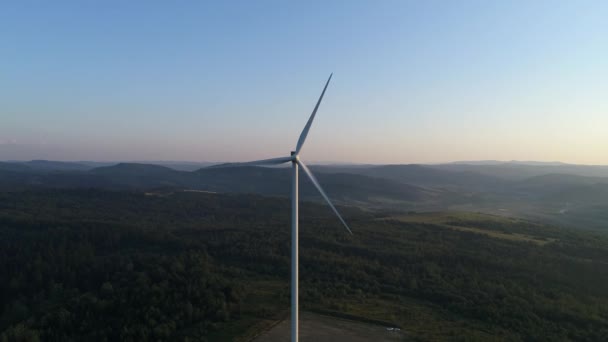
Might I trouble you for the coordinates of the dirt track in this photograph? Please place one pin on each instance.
(319, 328)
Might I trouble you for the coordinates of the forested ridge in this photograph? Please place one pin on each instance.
(123, 265)
(575, 196)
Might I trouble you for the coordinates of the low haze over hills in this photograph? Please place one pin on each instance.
(557, 193)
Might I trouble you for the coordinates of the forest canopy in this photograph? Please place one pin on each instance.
(118, 265)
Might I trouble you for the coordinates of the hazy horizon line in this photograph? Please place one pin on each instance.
(480, 162)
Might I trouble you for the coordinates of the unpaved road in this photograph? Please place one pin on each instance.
(319, 328)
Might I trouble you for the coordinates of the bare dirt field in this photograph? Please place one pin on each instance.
(320, 328)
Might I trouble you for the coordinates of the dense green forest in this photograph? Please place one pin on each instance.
(95, 265)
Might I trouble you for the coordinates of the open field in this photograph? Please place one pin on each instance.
(320, 328)
(450, 220)
(504, 236)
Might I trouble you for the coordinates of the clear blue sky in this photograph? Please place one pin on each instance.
(414, 81)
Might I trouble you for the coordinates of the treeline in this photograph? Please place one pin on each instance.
(104, 266)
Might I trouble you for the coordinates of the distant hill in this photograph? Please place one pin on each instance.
(583, 194)
(343, 187)
(423, 175)
(17, 167)
(49, 165)
(14, 180)
(520, 171)
(183, 166)
(142, 175)
(43, 166)
(505, 189)
(556, 183)
(175, 165)
(498, 162)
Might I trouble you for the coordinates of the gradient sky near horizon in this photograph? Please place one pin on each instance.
(414, 81)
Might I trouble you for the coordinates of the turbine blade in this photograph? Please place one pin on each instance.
(314, 181)
(272, 161)
(312, 117)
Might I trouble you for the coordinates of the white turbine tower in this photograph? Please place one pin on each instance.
(295, 162)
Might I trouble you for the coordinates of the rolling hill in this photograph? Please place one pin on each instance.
(569, 199)
(516, 171)
(345, 187)
(423, 175)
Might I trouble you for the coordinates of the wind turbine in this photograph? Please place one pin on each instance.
(296, 162)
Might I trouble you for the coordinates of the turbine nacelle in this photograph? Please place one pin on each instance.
(295, 157)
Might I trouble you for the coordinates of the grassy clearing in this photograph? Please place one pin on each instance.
(352, 320)
(415, 318)
(505, 236)
(450, 220)
(442, 217)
